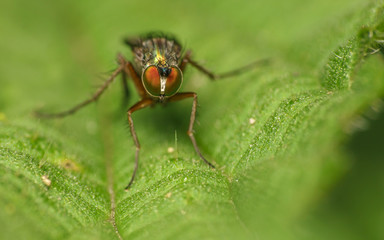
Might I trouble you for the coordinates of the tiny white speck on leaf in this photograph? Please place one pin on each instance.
(171, 150)
(168, 195)
(46, 180)
(252, 121)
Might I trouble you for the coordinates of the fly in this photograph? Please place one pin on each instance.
(157, 74)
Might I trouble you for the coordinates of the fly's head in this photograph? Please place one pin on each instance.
(158, 58)
(161, 78)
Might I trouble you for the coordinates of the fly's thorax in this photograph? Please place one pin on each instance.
(159, 51)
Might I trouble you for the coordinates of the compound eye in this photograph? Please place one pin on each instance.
(151, 80)
(174, 80)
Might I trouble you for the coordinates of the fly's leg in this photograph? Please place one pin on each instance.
(213, 76)
(94, 97)
(184, 61)
(130, 71)
(181, 96)
(124, 84)
(139, 105)
(136, 78)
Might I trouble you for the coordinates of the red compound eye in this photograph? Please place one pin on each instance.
(174, 80)
(151, 80)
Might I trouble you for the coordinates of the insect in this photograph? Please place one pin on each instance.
(157, 74)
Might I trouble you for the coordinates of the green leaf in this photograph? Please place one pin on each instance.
(297, 143)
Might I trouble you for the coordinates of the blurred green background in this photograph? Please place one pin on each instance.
(309, 168)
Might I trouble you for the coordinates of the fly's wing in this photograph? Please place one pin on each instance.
(136, 45)
(133, 42)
